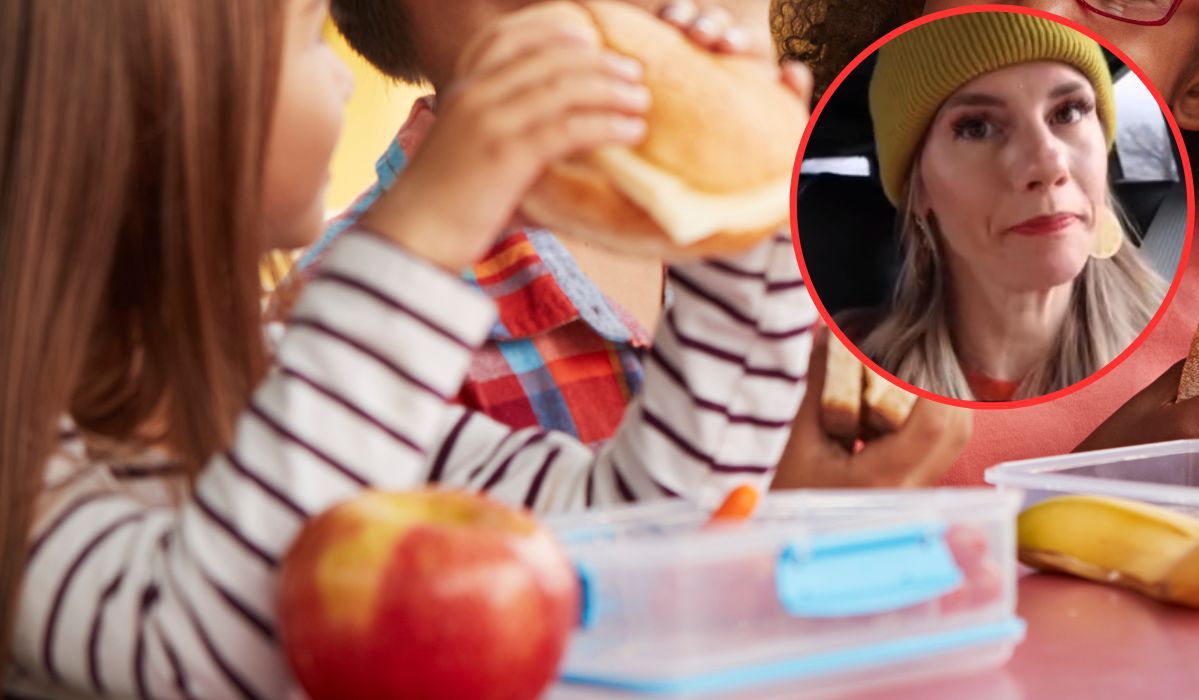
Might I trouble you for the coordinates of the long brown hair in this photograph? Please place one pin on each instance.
(131, 147)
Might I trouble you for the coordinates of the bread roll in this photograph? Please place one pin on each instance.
(713, 175)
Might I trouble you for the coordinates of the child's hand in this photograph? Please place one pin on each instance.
(535, 94)
(916, 455)
(1152, 415)
(798, 77)
(711, 28)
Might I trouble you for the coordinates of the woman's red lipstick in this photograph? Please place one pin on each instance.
(1044, 225)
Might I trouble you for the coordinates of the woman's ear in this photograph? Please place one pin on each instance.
(919, 195)
(1186, 106)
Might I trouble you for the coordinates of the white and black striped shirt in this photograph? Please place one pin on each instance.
(128, 594)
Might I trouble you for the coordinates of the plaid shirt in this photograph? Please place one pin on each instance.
(562, 355)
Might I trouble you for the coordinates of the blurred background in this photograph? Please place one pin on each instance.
(373, 116)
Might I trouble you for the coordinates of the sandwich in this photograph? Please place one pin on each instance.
(841, 397)
(857, 403)
(887, 406)
(713, 174)
(1188, 384)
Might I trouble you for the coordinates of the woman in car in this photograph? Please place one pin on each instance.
(993, 131)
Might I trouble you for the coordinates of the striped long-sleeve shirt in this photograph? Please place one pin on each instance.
(131, 593)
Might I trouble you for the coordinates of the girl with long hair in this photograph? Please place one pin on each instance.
(157, 458)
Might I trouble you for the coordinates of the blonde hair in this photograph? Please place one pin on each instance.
(1111, 302)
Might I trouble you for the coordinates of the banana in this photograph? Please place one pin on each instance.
(1147, 548)
(1181, 582)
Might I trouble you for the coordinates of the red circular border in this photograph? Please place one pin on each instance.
(1186, 173)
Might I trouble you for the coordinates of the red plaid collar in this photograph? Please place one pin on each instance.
(530, 276)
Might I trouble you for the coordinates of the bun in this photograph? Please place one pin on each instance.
(713, 175)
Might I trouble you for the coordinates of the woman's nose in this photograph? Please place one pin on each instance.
(1040, 161)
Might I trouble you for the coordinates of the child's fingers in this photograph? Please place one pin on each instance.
(511, 38)
(798, 77)
(680, 13)
(947, 434)
(584, 92)
(553, 100)
(554, 67)
(710, 26)
(582, 131)
(923, 449)
(734, 41)
(712, 29)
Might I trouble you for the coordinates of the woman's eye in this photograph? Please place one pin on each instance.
(1071, 112)
(973, 129)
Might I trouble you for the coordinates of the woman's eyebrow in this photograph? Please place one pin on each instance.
(973, 99)
(981, 99)
(1066, 88)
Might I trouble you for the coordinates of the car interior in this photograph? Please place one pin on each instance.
(846, 225)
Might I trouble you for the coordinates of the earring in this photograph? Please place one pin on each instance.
(1109, 235)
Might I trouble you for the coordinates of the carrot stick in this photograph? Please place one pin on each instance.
(738, 505)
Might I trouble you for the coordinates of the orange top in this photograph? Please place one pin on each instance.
(1057, 426)
(987, 389)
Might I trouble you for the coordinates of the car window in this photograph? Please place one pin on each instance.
(1142, 135)
(838, 165)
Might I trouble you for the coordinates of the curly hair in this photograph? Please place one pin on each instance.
(828, 34)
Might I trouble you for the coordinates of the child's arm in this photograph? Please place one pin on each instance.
(121, 598)
(125, 599)
(721, 389)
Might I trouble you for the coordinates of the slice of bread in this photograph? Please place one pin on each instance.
(1188, 384)
(887, 406)
(857, 403)
(841, 398)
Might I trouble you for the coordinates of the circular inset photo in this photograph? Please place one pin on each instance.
(991, 207)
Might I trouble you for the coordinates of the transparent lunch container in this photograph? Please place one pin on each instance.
(820, 590)
(1164, 473)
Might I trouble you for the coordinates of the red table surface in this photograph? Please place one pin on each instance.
(1085, 642)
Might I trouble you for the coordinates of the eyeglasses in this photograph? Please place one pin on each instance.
(1145, 12)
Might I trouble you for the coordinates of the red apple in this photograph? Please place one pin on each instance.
(426, 595)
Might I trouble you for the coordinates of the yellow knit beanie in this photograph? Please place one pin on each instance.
(921, 68)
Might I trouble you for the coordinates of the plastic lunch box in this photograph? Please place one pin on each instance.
(819, 591)
(1165, 473)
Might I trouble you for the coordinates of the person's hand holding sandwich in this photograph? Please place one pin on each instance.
(1167, 409)
(855, 429)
